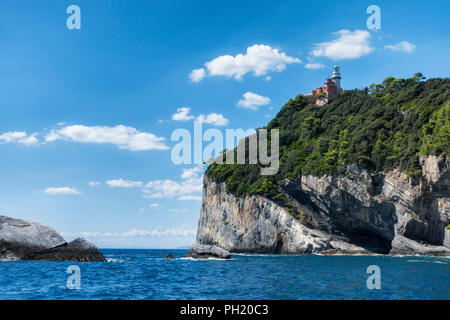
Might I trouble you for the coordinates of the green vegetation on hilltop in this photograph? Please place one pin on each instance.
(384, 126)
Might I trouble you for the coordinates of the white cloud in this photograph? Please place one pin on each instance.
(89, 234)
(189, 198)
(94, 183)
(197, 75)
(213, 118)
(179, 232)
(192, 172)
(182, 114)
(62, 190)
(258, 60)
(216, 119)
(191, 185)
(120, 183)
(348, 45)
(403, 46)
(155, 206)
(122, 136)
(20, 137)
(172, 189)
(29, 140)
(183, 231)
(314, 66)
(253, 101)
(179, 210)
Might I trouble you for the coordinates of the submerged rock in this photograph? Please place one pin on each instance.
(169, 256)
(200, 251)
(26, 240)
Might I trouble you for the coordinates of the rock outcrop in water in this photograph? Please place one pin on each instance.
(26, 240)
(199, 251)
(352, 212)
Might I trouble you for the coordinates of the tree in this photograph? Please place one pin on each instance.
(375, 87)
(418, 76)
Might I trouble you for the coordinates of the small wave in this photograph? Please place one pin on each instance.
(264, 255)
(202, 259)
(427, 261)
(118, 260)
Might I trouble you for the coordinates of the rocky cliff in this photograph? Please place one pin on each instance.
(26, 240)
(351, 212)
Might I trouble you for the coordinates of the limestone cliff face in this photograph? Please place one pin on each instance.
(355, 212)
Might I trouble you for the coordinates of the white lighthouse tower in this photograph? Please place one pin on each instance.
(336, 78)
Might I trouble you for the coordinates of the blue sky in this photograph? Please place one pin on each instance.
(86, 115)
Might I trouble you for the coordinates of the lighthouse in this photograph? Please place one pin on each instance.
(336, 78)
(332, 87)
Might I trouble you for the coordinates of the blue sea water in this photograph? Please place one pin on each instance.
(145, 274)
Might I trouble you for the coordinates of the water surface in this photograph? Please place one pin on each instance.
(145, 274)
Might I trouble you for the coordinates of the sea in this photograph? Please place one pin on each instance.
(146, 274)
